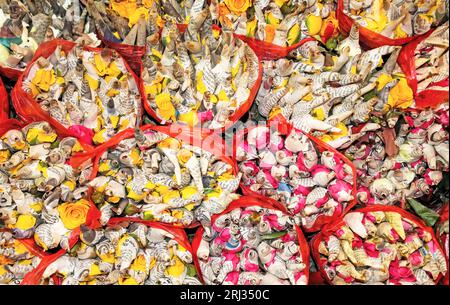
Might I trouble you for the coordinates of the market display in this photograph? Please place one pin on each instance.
(224, 142)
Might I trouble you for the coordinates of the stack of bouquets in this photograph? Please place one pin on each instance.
(125, 253)
(312, 180)
(114, 213)
(42, 197)
(165, 174)
(379, 245)
(253, 242)
(87, 92)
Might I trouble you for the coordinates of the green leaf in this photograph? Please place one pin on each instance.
(55, 144)
(191, 270)
(273, 235)
(34, 141)
(370, 95)
(74, 249)
(331, 44)
(429, 216)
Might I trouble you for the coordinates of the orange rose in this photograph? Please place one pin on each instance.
(238, 6)
(73, 214)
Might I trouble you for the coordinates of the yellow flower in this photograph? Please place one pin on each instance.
(127, 281)
(184, 155)
(238, 6)
(251, 27)
(4, 155)
(326, 138)
(100, 137)
(40, 136)
(133, 195)
(19, 248)
(169, 143)
(280, 3)
(123, 8)
(343, 133)
(160, 189)
(200, 84)
(189, 118)
(177, 214)
(172, 194)
(165, 107)
(37, 206)
(318, 113)
(136, 15)
(44, 79)
(108, 258)
(73, 214)
(188, 191)
(25, 222)
(271, 19)
(382, 80)
(213, 194)
(139, 264)
(401, 96)
(176, 269)
(293, 34)
(95, 270)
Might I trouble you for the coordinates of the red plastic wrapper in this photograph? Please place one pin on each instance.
(203, 138)
(247, 201)
(443, 236)
(131, 54)
(406, 61)
(29, 110)
(368, 39)
(4, 102)
(285, 128)
(332, 228)
(10, 73)
(269, 51)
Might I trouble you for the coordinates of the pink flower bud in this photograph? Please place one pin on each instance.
(205, 116)
(340, 190)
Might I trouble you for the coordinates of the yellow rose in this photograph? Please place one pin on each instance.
(165, 107)
(139, 264)
(238, 6)
(127, 281)
(73, 214)
(172, 194)
(43, 79)
(176, 269)
(25, 222)
(4, 155)
(184, 155)
(401, 96)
